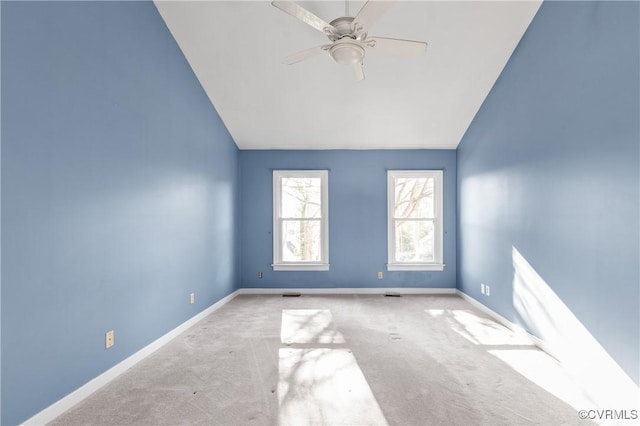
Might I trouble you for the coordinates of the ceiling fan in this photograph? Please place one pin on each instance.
(348, 35)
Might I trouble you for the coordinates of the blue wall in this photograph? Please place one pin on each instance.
(357, 217)
(119, 186)
(549, 167)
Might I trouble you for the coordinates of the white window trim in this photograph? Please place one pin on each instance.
(415, 266)
(278, 263)
(438, 264)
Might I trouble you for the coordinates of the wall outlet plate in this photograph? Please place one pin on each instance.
(192, 298)
(109, 339)
(380, 275)
(487, 290)
(482, 288)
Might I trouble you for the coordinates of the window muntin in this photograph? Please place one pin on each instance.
(415, 220)
(300, 238)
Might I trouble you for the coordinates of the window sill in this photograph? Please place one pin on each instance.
(301, 267)
(415, 266)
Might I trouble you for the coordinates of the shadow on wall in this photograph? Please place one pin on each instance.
(603, 381)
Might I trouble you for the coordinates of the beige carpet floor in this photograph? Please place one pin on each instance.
(267, 360)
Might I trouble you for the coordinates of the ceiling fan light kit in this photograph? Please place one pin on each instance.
(346, 52)
(348, 35)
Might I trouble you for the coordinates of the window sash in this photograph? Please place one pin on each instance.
(433, 238)
(438, 231)
(282, 245)
(278, 221)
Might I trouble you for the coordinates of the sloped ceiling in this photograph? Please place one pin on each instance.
(236, 49)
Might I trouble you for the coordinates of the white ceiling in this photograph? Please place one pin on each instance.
(236, 49)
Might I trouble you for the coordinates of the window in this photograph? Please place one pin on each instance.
(300, 220)
(415, 220)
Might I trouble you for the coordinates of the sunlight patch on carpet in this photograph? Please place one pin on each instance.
(324, 386)
(309, 326)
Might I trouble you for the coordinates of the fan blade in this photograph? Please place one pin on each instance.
(305, 54)
(305, 16)
(371, 12)
(408, 48)
(358, 69)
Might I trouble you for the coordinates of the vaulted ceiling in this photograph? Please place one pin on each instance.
(236, 50)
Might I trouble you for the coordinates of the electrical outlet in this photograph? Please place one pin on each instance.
(192, 298)
(109, 339)
(379, 275)
(482, 288)
(260, 275)
(487, 290)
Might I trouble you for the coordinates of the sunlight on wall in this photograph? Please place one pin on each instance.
(486, 189)
(185, 196)
(584, 360)
(308, 326)
(321, 385)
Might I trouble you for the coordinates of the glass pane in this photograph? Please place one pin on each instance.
(301, 241)
(300, 197)
(414, 241)
(414, 197)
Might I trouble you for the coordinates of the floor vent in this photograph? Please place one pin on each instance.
(290, 294)
(391, 294)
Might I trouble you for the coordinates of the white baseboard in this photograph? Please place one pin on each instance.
(368, 290)
(511, 326)
(64, 404)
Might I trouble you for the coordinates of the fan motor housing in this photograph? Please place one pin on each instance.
(345, 27)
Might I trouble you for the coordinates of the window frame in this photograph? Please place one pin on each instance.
(438, 227)
(279, 264)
